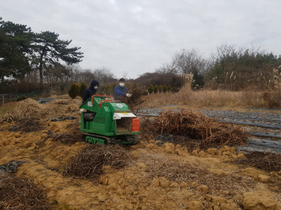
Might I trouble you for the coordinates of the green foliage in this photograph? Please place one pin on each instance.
(150, 88)
(237, 69)
(164, 88)
(51, 50)
(15, 50)
(155, 89)
(83, 87)
(22, 51)
(74, 90)
(198, 81)
(174, 90)
(160, 88)
(168, 88)
(21, 98)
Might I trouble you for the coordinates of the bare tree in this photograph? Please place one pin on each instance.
(186, 62)
(104, 75)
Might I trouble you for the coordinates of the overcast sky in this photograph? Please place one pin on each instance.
(138, 36)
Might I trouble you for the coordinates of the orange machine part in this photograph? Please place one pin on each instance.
(135, 124)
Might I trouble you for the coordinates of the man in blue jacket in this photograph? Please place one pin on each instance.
(120, 90)
(91, 90)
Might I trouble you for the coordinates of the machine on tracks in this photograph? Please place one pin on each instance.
(107, 121)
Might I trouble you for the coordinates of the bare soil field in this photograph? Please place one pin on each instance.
(204, 169)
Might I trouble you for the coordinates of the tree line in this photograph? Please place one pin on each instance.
(32, 61)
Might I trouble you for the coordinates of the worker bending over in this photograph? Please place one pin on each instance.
(120, 90)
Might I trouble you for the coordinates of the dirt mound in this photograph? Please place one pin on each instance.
(195, 125)
(194, 174)
(264, 161)
(90, 161)
(184, 141)
(31, 108)
(21, 193)
(28, 124)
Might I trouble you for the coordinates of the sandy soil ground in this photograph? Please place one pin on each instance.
(166, 177)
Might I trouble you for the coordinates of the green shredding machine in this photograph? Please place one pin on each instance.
(106, 121)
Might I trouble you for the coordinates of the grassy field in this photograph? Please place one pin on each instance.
(216, 98)
(198, 99)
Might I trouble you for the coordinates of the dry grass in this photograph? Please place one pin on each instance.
(21, 193)
(31, 108)
(157, 100)
(214, 98)
(8, 107)
(64, 96)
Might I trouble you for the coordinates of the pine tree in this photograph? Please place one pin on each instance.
(155, 89)
(160, 88)
(49, 49)
(83, 86)
(164, 88)
(74, 90)
(150, 89)
(168, 88)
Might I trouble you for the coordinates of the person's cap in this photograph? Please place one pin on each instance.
(122, 80)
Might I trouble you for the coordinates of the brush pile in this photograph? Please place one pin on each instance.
(195, 125)
(66, 138)
(264, 161)
(27, 125)
(21, 193)
(89, 162)
(136, 99)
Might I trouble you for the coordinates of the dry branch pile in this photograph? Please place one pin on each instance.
(66, 138)
(21, 193)
(264, 161)
(89, 162)
(28, 124)
(136, 99)
(195, 125)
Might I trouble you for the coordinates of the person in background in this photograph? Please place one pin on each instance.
(120, 90)
(91, 90)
